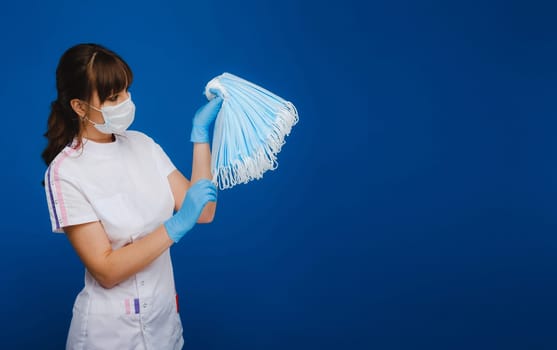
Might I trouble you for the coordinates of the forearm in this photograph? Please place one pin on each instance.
(201, 169)
(120, 264)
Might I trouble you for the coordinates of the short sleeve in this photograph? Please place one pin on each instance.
(164, 163)
(66, 203)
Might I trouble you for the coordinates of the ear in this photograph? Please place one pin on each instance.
(79, 107)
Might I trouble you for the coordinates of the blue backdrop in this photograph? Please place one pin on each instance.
(414, 205)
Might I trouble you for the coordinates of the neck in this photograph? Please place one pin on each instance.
(99, 137)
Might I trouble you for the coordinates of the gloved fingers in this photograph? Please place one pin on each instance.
(202, 188)
(215, 103)
(210, 196)
(204, 191)
(202, 183)
(206, 113)
(216, 92)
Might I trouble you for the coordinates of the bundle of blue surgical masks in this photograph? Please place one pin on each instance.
(249, 131)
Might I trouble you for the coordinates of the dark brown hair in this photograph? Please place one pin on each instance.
(82, 70)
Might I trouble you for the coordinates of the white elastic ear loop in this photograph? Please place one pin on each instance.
(92, 122)
(86, 117)
(95, 108)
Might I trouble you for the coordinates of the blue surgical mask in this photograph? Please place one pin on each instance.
(116, 118)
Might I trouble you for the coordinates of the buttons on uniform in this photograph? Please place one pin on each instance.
(144, 305)
(142, 283)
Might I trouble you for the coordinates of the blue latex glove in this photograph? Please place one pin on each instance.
(198, 195)
(204, 117)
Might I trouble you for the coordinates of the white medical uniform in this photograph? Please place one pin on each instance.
(124, 185)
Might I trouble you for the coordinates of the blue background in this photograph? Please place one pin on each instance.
(414, 205)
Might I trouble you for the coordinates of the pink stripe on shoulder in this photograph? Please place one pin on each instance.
(60, 199)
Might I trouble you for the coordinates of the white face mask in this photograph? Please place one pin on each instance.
(116, 118)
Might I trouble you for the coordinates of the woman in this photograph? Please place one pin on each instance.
(121, 203)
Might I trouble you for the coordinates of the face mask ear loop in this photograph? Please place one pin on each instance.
(95, 108)
(91, 106)
(86, 117)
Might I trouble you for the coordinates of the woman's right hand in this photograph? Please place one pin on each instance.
(204, 117)
(197, 196)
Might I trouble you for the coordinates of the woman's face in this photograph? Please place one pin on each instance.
(112, 100)
(95, 116)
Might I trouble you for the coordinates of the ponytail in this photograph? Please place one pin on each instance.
(62, 128)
